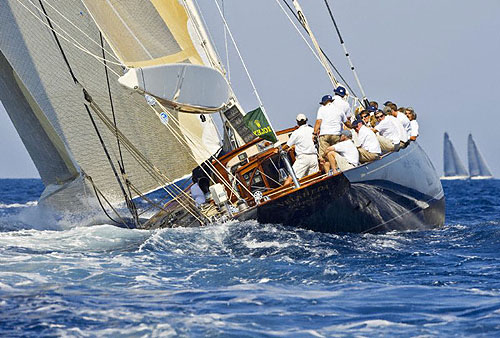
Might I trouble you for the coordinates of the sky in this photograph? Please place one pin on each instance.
(438, 56)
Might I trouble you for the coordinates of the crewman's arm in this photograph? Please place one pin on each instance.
(317, 127)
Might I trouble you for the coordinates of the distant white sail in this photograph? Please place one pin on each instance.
(453, 166)
(477, 166)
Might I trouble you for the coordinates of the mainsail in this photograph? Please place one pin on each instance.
(453, 167)
(47, 107)
(477, 166)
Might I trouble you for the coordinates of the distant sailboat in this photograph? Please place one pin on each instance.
(478, 168)
(452, 166)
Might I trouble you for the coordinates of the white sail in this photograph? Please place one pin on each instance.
(48, 107)
(478, 168)
(452, 165)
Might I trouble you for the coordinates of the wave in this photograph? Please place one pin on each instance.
(18, 205)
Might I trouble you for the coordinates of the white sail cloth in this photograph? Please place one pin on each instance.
(54, 105)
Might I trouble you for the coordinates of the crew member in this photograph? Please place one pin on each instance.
(306, 157)
(412, 116)
(196, 193)
(388, 134)
(392, 115)
(333, 113)
(400, 116)
(343, 154)
(369, 148)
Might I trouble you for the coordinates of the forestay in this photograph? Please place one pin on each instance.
(51, 106)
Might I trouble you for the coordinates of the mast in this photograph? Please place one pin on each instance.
(365, 100)
(321, 55)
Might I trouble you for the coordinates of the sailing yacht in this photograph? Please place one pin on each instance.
(478, 168)
(452, 165)
(115, 99)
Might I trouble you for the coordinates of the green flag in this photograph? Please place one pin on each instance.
(257, 122)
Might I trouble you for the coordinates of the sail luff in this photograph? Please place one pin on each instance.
(477, 164)
(30, 49)
(452, 164)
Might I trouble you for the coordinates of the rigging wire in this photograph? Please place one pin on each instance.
(104, 62)
(78, 28)
(97, 193)
(226, 45)
(188, 136)
(149, 167)
(120, 162)
(130, 204)
(239, 54)
(76, 44)
(365, 100)
(152, 170)
(321, 55)
(326, 56)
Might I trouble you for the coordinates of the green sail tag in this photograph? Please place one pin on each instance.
(257, 122)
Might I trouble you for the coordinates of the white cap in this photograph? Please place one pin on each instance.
(301, 117)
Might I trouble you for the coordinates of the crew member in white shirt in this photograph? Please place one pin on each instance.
(197, 194)
(400, 116)
(306, 157)
(391, 115)
(343, 154)
(333, 113)
(412, 116)
(369, 148)
(388, 134)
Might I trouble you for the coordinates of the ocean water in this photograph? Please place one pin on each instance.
(247, 279)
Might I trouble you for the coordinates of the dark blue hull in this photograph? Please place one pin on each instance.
(401, 191)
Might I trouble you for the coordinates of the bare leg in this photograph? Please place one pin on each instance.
(324, 164)
(332, 161)
(288, 181)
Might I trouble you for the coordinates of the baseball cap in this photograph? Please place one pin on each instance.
(372, 109)
(301, 117)
(340, 91)
(326, 98)
(355, 123)
(387, 102)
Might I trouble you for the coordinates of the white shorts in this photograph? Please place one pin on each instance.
(305, 164)
(342, 163)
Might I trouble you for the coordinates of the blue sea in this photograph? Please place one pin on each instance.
(249, 279)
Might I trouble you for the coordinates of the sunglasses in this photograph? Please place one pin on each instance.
(378, 116)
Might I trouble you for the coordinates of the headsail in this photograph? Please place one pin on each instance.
(477, 165)
(453, 167)
(150, 36)
(33, 59)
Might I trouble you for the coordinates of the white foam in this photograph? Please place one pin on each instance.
(18, 205)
